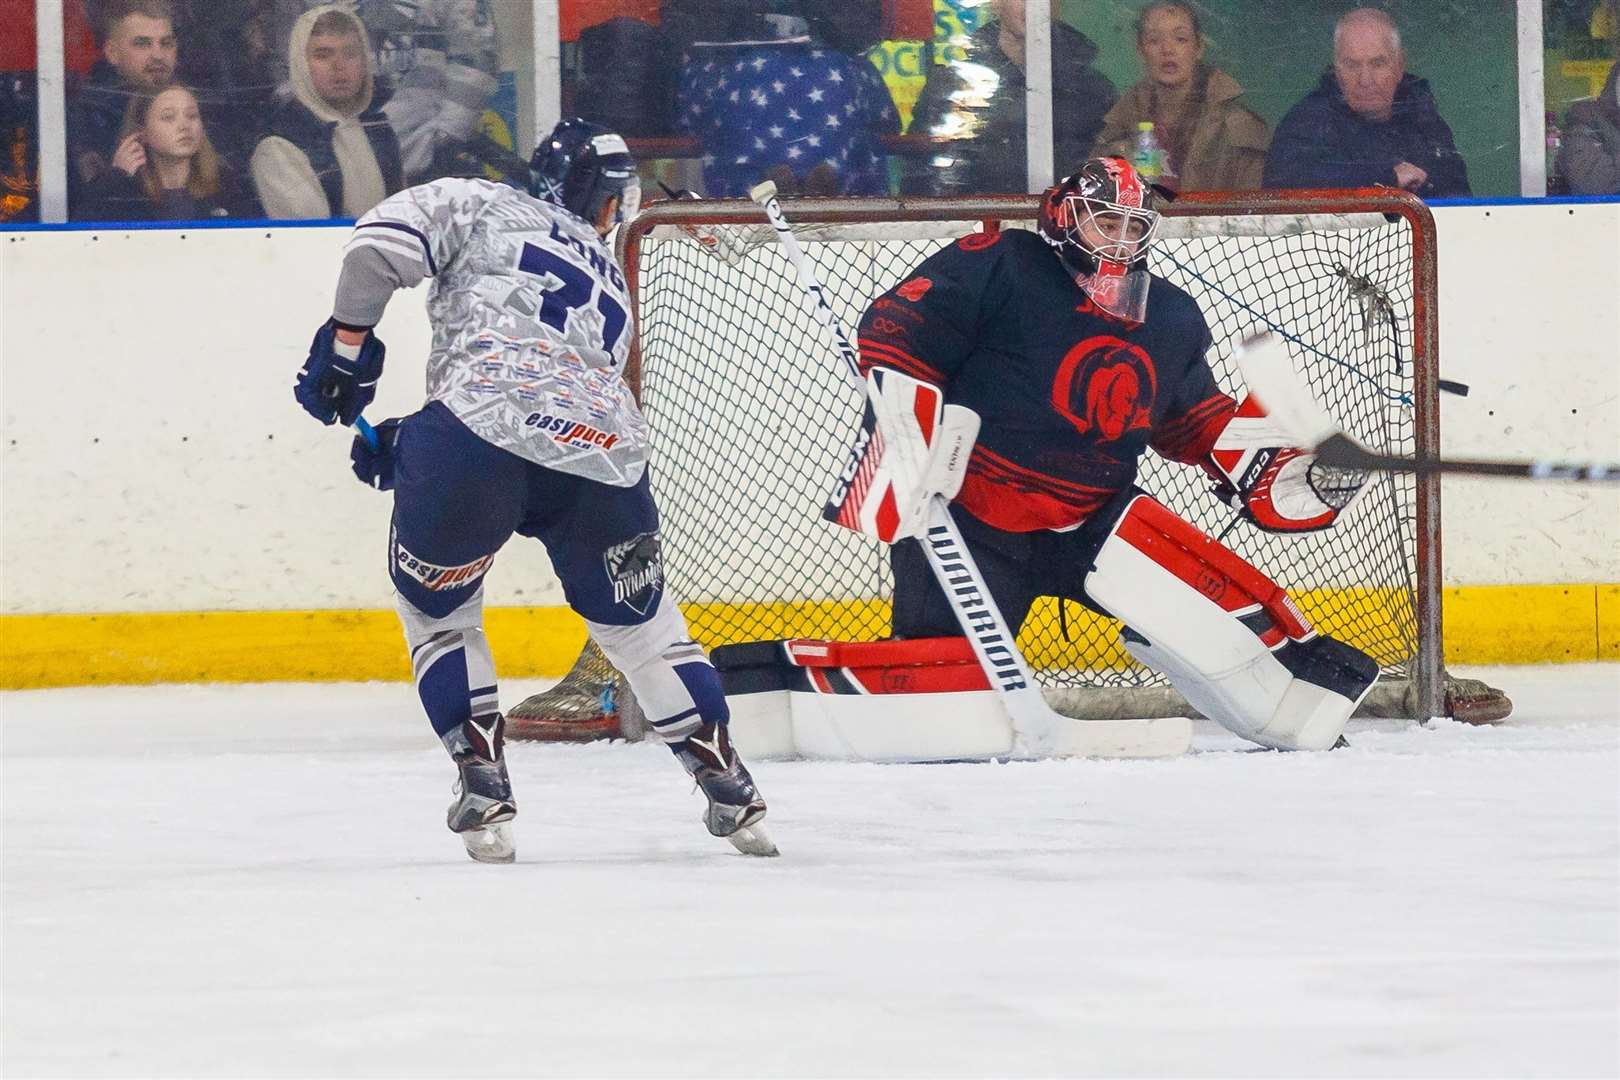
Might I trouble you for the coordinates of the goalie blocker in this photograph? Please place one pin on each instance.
(911, 447)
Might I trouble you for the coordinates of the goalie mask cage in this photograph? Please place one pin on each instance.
(752, 417)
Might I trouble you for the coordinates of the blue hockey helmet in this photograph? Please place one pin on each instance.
(580, 166)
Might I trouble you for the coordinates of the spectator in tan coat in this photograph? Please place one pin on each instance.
(1212, 141)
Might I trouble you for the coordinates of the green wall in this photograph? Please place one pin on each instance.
(1278, 50)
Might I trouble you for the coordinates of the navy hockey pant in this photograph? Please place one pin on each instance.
(458, 499)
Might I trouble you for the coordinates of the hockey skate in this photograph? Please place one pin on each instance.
(736, 811)
(483, 810)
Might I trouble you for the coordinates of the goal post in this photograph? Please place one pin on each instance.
(751, 417)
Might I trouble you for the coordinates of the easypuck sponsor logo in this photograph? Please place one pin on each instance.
(438, 578)
(571, 432)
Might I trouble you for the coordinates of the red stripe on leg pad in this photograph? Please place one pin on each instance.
(816, 652)
(912, 666)
(1204, 563)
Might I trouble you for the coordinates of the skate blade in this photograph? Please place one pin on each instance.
(753, 840)
(490, 844)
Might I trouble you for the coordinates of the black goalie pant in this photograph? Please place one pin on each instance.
(1016, 567)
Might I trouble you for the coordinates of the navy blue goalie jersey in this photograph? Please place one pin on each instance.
(1068, 396)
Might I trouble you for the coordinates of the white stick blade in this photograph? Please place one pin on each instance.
(1269, 373)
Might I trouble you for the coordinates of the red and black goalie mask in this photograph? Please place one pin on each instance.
(1101, 222)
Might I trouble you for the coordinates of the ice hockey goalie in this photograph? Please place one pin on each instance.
(1023, 374)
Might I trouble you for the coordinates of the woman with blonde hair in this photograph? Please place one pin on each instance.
(165, 169)
(1212, 141)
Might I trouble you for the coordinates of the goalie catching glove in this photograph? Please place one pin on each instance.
(912, 446)
(1276, 486)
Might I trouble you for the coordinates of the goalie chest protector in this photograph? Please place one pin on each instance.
(1068, 397)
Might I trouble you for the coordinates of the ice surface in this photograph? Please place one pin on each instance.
(257, 881)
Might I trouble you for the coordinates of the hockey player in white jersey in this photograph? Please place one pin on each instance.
(529, 428)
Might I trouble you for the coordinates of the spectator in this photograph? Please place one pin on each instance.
(1589, 160)
(1368, 122)
(788, 97)
(436, 64)
(138, 55)
(165, 168)
(1212, 141)
(980, 102)
(225, 61)
(442, 60)
(330, 152)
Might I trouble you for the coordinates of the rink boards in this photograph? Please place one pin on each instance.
(170, 513)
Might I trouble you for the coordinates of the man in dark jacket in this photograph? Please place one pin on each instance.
(1368, 122)
(138, 54)
(979, 102)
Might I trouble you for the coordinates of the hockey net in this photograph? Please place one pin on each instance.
(751, 419)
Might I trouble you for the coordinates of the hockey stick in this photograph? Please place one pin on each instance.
(1269, 373)
(1038, 731)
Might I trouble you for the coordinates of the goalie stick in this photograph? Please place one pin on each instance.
(1269, 374)
(1037, 729)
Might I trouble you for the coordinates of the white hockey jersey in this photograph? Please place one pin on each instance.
(531, 320)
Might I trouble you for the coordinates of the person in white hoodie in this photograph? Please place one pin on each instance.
(329, 153)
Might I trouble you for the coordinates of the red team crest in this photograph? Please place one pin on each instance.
(915, 289)
(1107, 385)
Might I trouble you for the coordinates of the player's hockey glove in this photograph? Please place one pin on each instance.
(1276, 487)
(337, 382)
(375, 465)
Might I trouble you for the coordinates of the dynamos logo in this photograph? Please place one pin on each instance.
(635, 569)
(1105, 385)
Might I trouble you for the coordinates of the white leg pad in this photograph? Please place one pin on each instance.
(1220, 666)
